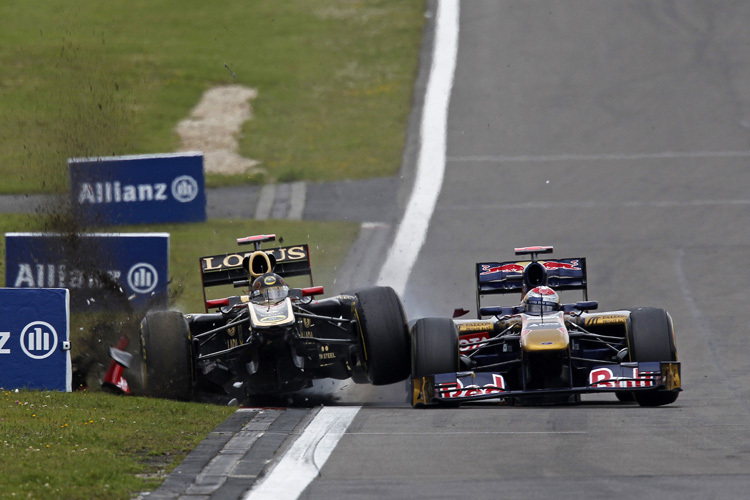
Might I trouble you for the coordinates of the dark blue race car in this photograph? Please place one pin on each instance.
(543, 351)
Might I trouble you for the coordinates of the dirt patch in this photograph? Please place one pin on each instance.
(213, 127)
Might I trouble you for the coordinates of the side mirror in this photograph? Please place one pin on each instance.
(587, 305)
(500, 311)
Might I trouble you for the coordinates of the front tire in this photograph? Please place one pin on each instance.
(651, 338)
(434, 349)
(165, 353)
(384, 335)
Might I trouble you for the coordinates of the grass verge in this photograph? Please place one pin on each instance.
(85, 445)
(334, 81)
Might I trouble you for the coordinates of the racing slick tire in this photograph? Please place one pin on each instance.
(384, 335)
(434, 349)
(651, 338)
(165, 353)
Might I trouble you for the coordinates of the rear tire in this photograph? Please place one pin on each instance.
(651, 338)
(384, 335)
(166, 360)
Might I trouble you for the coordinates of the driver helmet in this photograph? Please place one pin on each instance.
(269, 288)
(541, 299)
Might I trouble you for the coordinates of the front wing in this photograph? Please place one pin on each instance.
(476, 386)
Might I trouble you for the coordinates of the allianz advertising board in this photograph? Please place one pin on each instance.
(35, 339)
(103, 271)
(140, 189)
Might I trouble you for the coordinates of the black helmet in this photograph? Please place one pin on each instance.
(269, 288)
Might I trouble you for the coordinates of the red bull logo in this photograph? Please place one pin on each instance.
(457, 389)
(504, 268)
(573, 265)
(604, 378)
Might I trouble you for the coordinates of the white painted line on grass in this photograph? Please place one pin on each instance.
(301, 464)
(412, 230)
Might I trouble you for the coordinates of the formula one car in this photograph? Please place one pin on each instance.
(276, 339)
(541, 351)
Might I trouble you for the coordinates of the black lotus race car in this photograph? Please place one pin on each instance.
(543, 352)
(274, 340)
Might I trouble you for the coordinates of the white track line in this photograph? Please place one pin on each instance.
(301, 464)
(412, 230)
(540, 205)
(598, 157)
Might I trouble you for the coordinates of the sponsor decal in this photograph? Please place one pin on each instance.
(122, 384)
(501, 268)
(234, 260)
(33, 275)
(39, 340)
(472, 341)
(185, 189)
(143, 277)
(518, 267)
(573, 265)
(475, 327)
(604, 320)
(114, 192)
(269, 280)
(458, 390)
(605, 378)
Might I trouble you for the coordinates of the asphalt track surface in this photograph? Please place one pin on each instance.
(618, 131)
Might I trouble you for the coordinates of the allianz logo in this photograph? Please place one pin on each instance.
(142, 277)
(58, 276)
(183, 189)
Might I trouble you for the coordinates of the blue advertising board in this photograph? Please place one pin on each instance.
(140, 189)
(35, 339)
(102, 270)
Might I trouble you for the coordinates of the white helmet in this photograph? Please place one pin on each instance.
(541, 299)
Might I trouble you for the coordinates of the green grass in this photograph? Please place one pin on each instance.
(88, 78)
(86, 445)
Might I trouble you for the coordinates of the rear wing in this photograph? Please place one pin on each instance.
(494, 278)
(238, 268)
